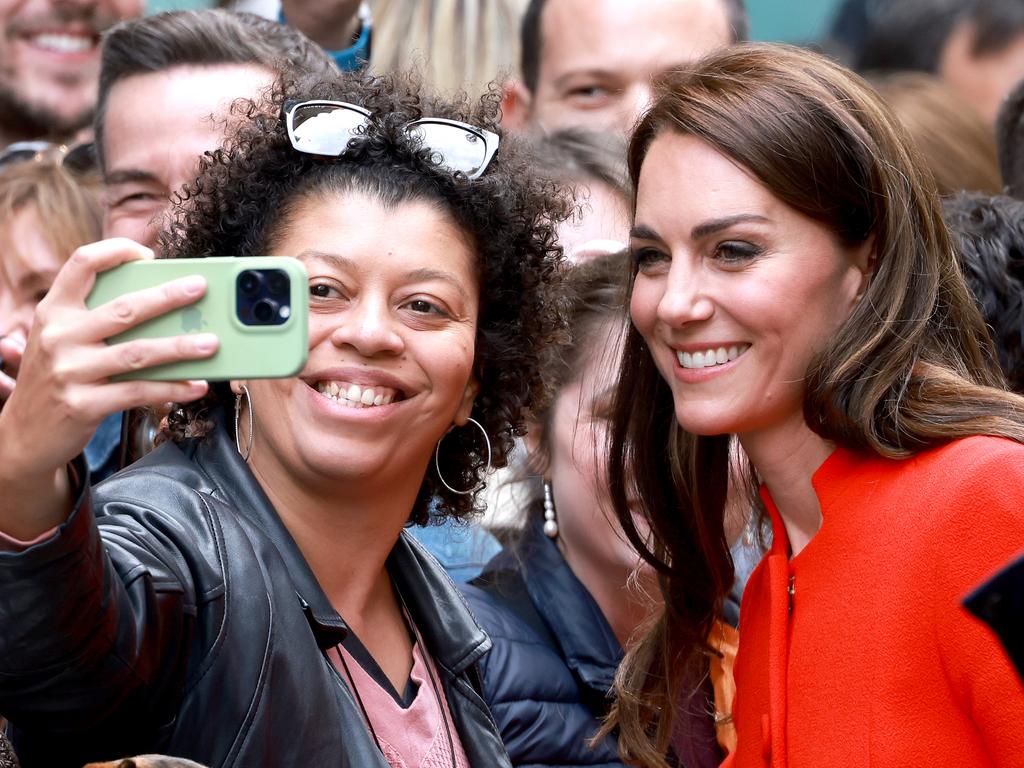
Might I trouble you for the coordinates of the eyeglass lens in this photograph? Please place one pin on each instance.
(451, 146)
(79, 160)
(324, 129)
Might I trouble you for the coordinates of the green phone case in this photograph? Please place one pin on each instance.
(246, 351)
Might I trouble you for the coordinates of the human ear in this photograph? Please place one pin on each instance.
(865, 259)
(236, 385)
(468, 398)
(516, 103)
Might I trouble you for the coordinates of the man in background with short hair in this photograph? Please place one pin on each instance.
(166, 85)
(975, 46)
(49, 64)
(589, 63)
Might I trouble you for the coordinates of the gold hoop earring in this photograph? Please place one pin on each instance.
(238, 413)
(437, 461)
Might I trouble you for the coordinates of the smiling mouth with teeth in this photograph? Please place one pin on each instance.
(711, 357)
(63, 42)
(356, 396)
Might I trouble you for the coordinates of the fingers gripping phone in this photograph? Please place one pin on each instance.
(257, 306)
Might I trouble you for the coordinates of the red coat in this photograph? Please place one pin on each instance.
(877, 664)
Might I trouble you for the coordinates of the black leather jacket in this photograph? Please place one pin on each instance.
(174, 613)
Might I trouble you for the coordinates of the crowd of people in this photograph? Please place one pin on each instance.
(663, 399)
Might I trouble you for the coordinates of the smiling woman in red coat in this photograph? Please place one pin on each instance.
(795, 291)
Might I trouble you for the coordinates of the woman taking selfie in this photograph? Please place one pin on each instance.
(245, 595)
(794, 286)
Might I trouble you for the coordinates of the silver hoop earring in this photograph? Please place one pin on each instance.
(437, 461)
(550, 523)
(238, 413)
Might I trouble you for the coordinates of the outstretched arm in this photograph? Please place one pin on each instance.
(64, 389)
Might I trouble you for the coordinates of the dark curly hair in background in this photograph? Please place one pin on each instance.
(989, 233)
(248, 190)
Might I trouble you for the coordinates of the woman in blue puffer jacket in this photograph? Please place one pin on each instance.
(564, 598)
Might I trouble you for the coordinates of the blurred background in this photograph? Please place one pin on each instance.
(795, 21)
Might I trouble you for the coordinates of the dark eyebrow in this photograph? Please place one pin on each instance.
(436, 274)
(333, 259)
(130, 175)
(599, 74)
(417, 275)
(643, 232)
(717, 225)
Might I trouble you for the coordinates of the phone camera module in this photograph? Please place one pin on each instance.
(264, 311)
(263, 297)
(277, 282)
(249, 282)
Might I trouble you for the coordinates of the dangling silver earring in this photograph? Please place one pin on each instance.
(238, 413)
(550, 523)
(437, 461)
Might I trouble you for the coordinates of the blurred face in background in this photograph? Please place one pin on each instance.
(145, 160)
(600, 227)
(598, 57)
(28, 265)
(982, 78)
(50, 62)
(588, 533)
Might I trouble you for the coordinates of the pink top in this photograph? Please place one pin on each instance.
(414, 737)
(11, 544)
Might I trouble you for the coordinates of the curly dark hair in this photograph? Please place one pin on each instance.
(989, 232)
(249, 189)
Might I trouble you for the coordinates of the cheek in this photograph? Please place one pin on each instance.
(457, 358)
(589, 455)
(643, 305)
(269, 399)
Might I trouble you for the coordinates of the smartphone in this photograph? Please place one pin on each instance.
(257, 306)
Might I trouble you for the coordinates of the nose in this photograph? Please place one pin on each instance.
(686, 298)
(15, 316)
(370, 327)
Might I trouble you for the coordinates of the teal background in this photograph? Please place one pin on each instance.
(155, 6)
(791, 21)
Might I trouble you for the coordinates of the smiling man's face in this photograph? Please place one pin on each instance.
(50, 61)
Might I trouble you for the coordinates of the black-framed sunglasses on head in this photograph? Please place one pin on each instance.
(79, 159)
(326, 127)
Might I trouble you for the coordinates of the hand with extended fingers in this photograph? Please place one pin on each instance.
(64, 389)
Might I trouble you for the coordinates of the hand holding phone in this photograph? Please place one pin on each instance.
(65, 381)
(257, 306)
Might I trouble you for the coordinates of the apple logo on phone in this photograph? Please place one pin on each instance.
(192, 320)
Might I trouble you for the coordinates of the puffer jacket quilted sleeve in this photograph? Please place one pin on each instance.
(533, 695)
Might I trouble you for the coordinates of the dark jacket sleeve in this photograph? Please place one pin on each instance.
(99, 619)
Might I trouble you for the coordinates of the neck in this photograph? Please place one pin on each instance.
(345, 530)
(627, 601)
(786, 457)
(332, 25)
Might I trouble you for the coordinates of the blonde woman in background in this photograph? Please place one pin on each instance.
(49, 206)
(458, 44)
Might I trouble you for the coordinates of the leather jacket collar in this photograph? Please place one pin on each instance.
(437, 607)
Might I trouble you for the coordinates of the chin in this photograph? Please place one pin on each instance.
(706, 421)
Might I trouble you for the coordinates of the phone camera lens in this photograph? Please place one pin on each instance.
(277, 282)
(264, 310)
(249, 282)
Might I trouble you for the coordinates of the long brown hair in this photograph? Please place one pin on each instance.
(910, 368)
